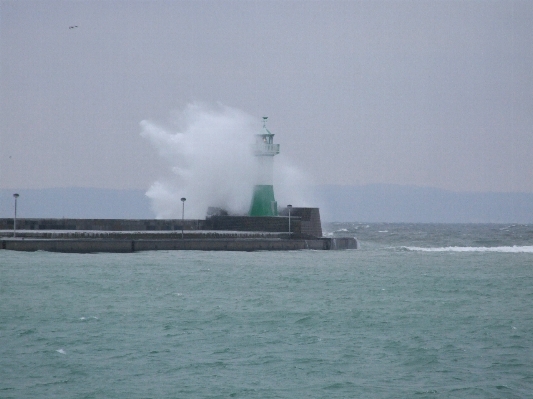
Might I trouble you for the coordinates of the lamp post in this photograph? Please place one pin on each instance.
(289, 207)
(183, 199)
(15, 218)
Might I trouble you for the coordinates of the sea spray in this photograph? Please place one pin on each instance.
(292, 185)
(211, 164)
(209, 152)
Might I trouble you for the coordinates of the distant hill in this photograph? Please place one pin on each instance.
(369, 203)
(77, 203)
(395, 203)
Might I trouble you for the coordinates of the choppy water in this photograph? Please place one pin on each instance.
(422, 311)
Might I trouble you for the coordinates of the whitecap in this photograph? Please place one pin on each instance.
(513, 249)
(62, 351)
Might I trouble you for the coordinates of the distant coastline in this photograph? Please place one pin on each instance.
(366, 203)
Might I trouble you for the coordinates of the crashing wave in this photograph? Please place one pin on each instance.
(513, 249)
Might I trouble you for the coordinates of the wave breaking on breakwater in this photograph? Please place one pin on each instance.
(209, 153)
(513, 249)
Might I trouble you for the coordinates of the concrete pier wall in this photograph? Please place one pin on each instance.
(253, 223)
(125, 246)
(138, 235)
(68, 246)
(216, 233)
(307, 218)
(102, 224)
(232, 223)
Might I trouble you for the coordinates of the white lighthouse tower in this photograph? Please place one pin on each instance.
(263, 202)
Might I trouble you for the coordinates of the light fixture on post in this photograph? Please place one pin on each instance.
(183, 199)
(15, 218)
(289, 207)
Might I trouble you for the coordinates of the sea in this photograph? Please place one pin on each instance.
(418, 311)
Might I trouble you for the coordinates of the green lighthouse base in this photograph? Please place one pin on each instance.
(263, 202)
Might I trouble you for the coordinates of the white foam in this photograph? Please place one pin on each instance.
(62, 351)
(513, 249)
(211, 163)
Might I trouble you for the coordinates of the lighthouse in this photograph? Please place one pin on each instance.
(263, 202)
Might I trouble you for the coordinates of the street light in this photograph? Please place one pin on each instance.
(15, 218)
(289, 207)
(183, 199)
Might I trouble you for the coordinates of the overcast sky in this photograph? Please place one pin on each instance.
(423, 93)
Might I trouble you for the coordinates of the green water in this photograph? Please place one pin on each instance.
(387, 321)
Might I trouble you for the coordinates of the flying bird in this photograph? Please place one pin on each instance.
(73, 26)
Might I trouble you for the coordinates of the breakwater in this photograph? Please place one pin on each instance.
(303, 221)
(224, 233)
(206, 244)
